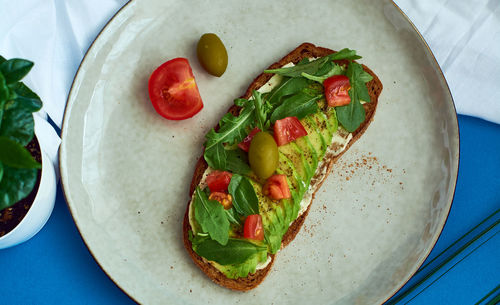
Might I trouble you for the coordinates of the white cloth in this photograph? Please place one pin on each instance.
(464, 35)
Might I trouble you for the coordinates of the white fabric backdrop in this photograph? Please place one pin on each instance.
(464, 35)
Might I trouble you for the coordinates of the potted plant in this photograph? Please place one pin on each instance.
(27, 178)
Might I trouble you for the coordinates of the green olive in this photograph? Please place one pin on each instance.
(263, 155)
(212, 54)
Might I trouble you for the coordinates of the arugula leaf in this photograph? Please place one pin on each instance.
(320, 77)
(288, 86)
(295, 71)
(210, 215)
(344, 54)
(353, 114)
(2, 59)
(236, 162)
(261, 111)
(313, 66)
(232, 129)
(298, 105)
(236, 251)
(245, 200)
(16, 184)
(15, 69)
(233, 216)
(15, 155)
(1, 171)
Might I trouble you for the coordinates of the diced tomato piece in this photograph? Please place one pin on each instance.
(276, 187)
(218, 181)
(337, 90)
(287, 130)
(225, 199)
(245, 144)
(173, 91)
(253, 228)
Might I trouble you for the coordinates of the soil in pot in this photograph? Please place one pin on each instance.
(12, 216)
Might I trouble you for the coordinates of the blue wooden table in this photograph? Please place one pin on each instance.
(55, 266)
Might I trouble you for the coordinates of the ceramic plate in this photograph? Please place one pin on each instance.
(126, 171)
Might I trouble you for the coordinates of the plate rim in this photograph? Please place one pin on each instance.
(396, 289)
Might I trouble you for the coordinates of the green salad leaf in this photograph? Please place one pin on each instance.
(245, 201)
(237, 162)
(288, 86)
(232, 129)
(210, 215)
(353, 114)
(298, 105)
(314, 66)
(235, 251)
(331, 70)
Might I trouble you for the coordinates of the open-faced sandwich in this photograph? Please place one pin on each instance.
(268, 156)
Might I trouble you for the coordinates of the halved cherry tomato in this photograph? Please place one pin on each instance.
(253, 227)
(225, 199)
(287, 130)
(173, 91)
(276, 187)
(245, 144)
(218, 181)
(337, 90)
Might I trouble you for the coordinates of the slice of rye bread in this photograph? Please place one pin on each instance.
(253, 280)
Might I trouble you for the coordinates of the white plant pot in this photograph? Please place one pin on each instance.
(40, 210)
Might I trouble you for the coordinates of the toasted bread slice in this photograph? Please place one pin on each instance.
(305, 50)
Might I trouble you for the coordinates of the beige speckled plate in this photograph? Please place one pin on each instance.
(126, 170)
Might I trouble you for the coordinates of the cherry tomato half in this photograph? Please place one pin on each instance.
(173, 91)
(337, 90)
(218, 181)
(225, 199)
(253, 227)
(276, 187)
(287, 130)
(245, 144)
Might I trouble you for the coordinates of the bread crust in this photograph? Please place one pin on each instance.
(253, 280)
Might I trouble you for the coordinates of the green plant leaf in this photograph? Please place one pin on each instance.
(236, 251)
(262, 110)
(2, 59)
(15, 69)
(232, 128)
(4, 90)
(236, 162)
(287, 87)
(312, 67)
(210, 215)
(25, 97)
(295, 71)
(245, 199)
(321, 76)
(15, 155)
(1, 171)
(298, 105)
(352, 115)
(17, 124)
(16, 184)
(233, 216)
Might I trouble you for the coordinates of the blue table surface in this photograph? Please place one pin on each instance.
(55, 267)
